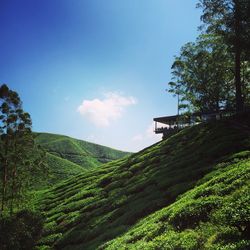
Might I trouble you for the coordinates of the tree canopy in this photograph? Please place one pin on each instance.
(214, 72)
(19, 157)
(202, 75)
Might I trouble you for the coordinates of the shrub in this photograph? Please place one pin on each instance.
(190, 214)
(20, 231)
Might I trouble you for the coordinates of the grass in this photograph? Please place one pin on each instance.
(168, 196)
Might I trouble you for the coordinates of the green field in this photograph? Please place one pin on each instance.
(83, 153)
(190, 191)
(67, 157)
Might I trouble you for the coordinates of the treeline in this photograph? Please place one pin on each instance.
(20, 158)
(213, 73)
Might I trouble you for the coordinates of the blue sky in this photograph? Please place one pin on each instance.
(95, 69)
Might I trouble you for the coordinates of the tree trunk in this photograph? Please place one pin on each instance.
(4, 186)
(237, 47)
(5, 175)
(13, 190)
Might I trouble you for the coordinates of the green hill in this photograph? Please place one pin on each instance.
(188, 192)
(59, 169)
(80, 152)
(67, 157)
(213, 215)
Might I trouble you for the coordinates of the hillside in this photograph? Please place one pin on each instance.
(83, 153)
(59, 169)
(67, 157)
(213, 215)
(182, 193)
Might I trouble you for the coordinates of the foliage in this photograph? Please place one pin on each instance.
(214, 72)
(20, 231)
(220, 17)
(18, 155)
(213, 215)
(202, 75)
(230, 19)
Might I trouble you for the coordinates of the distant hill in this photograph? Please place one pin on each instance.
(59, 169)
(190, 191)
(67, 157)
(83, 153)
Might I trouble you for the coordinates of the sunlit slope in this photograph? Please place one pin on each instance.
(213, 215)
(80, 152)
(93, 208)
(57, 170)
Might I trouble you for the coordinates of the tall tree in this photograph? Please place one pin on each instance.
(202, 75)
(18, 154)
(10, 103)
(231, 20)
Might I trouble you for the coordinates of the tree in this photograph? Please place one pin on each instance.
(18, 153)
(10, 104)
(202, 75)
(231, 20)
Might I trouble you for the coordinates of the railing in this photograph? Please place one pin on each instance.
(159, 130)
(178, 123)
(165, 129)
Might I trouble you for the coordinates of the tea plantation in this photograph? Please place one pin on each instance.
(190, 191)
(67, 157)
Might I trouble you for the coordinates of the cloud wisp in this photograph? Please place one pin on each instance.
(102, 111)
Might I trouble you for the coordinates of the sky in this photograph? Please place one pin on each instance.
(95, 70)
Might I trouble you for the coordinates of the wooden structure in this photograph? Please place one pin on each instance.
(170, 125)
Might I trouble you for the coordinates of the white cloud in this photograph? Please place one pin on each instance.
(102, 112)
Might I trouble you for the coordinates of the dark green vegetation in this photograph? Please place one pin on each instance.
(230, 20)
(213, 215)
(191, 192)
(34, 161)
(213, 72)
(21, 230)
(20, 158)
(67, 157)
